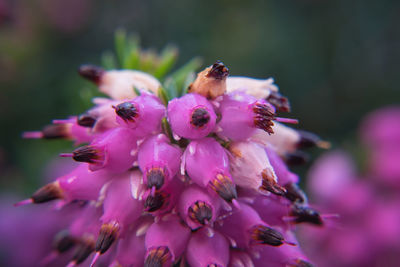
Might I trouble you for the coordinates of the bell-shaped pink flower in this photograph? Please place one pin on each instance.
(216, 176)
(197, 207)
(158, 160)
(191, 116)
(207, 249)
(165, 241)
(143, 114)
(113, 151)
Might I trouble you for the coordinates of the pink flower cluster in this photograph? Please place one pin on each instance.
(200, 179)
(368, 230)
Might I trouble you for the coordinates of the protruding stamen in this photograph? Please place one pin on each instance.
(306, 214)
(266, 235)
(154, 203)
(46, 193)
(269, 184)
(287, 120)
(294, 193)
(32, 135)
(108, 234)
(91, 72)
(126, 111)
(155, 177)
(156, 257)
(224, 187)
(24, 202)
(218, 71)
(88, 154)
(95, 258)
(280, 102)
(301, 263)
(200, 117)
(264, 115)
(53, 131)
(201, 212)
(86, 120)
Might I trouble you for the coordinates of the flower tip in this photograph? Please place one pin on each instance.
(108, 234)
(91, 73)
(218, 71)
(287, 120)
(324, 144)
(95, 258)
(71, 264)
(24, 202)
(66, 155)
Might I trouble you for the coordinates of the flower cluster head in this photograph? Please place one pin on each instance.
(197, 177)
(368, 202)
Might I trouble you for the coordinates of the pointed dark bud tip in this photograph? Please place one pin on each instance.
(200, 117)
(88, 154)
(126, 111)
(296, 158)
(224, 187)
(156, 202)
(294, 193)
(91, 72)
(308, 139)
(218, 71)
(306, 214)
(85, 120)
(83, 250)
(64, 241)
(269, 184)
(55, 131)
(266, 235)
(155, 177)
(201, 212)
(263, 117)
(108, 234)
(280, 102)
(47, 193)
(156, 257)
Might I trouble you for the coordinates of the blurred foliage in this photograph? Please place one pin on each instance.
(334, 59)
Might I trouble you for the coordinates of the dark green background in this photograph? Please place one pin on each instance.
(335, 60)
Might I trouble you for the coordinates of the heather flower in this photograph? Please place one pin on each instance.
(177, 171)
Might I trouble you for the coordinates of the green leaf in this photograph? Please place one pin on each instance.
(189, 79)
(166, 62)
(163, 95)
(171, 88)
(167, 129)
(180, 75)
(137, 91)
(132, 54)
(120, 45)
(108, 61)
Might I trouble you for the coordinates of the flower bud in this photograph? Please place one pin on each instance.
(165, 241)
(208, 152)
(191, 116)
(257, 88)
(211, 82)
(206, 250)
(197, 207)
(143, 114)
(158, 160)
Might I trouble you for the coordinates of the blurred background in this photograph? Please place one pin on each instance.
(335, 60)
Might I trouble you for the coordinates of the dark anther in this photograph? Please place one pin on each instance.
(157, 257)
(63, 241)
(280, 102)
(55, 131)
(263, 117)
(87, 154)
(108, 234)
(47, 193)
(224, 187)
(270, 185)
(306, 214)
(126, 111)
(218, 71)
(297, 157)
(154, 203)
(91, 72)
(294, 193)
(266, 235)
(200, 117)
(86, 120)
(200, 212)
(307, 139)
(155, 177)
(83, 250)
